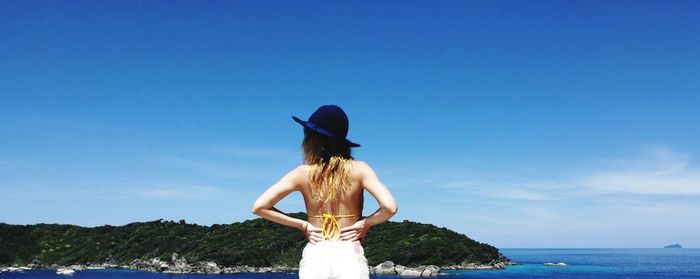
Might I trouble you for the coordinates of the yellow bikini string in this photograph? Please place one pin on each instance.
(330, 225)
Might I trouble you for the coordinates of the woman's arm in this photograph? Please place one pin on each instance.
(387, 205)
(264, 205)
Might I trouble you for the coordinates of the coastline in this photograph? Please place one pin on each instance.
(581, 263)
(178, 265)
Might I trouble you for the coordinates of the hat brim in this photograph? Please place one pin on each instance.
(322, 131)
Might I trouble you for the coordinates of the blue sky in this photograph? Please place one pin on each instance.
(518, 123)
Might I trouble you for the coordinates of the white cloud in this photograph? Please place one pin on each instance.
(230, 162)
(644, 199)
(655, 171)
(230, 170)
(172, 191)
(659, 171)
(140, 190)
(255, 152)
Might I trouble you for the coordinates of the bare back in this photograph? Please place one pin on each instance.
(349, 202)
(342, 216)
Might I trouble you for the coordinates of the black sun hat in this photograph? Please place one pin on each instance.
(329, 120)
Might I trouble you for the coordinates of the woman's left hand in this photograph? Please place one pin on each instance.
(355, 232)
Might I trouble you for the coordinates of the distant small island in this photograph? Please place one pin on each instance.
(673, 246)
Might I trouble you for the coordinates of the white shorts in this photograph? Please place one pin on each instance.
(333, 259)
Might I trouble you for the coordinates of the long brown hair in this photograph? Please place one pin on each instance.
(330, 162)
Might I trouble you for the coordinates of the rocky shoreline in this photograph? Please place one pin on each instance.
(179, 265)
(389, 268)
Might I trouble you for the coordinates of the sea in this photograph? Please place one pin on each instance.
(580, 263)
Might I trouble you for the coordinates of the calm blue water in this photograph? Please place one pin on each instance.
(583, 263)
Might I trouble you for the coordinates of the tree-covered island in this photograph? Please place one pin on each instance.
(252, 243)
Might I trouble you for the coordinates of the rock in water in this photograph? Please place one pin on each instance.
(36, 264)
(385, 268)
(434, 270)
(110, 262)
(209, 267)
(178, 265)
(264, 269)
(411, 272)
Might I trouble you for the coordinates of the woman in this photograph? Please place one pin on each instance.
(332, 184)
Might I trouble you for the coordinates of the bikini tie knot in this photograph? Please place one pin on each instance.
(330, 228)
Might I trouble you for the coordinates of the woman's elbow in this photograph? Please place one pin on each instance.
(392, 209)
(257, 209)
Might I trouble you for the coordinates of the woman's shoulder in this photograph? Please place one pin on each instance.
(361, 167)
(301, 169)
(359, 163)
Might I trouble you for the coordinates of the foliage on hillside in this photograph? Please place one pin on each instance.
(255, 242)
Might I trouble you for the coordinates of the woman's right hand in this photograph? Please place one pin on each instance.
(313, 234)
(355, 232)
